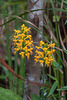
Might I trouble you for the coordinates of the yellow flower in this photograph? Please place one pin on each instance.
(19, 35)
(22, 54)
(49, 53)
(16, 49)
(30, 50)
(23, 35)
(40, 53)
(22, 41)
(51, 45)
(26, 31)
(25, 48)
(38, 47)
(14, 40)
(36, 60)
(29, 44)
(21, 48)
(47, 63)
(18, 45)
(36, 51)
(23, 26)
(15, 36)
(29, 36)
(41, 62)
(29, 28)
(37, 57)
(46, 58)
(15, 52)
(53, 50)
(28, 54)
(17, 31)
(50, 59)
(44, 49)
(41, 43)
(44, 52)
(26, 42)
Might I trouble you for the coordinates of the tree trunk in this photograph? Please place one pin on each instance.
(34, 71)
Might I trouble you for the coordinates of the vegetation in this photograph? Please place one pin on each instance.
(17, 45)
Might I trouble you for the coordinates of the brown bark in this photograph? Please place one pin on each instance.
(34, 71)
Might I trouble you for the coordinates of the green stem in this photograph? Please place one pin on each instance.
(7, 45)
(22, 74)
(44, 78)
(9, 57)
(58, 44)
(15, 60)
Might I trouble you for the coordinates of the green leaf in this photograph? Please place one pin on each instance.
(58, 9)
(2, 77)
(63, 88)
(57, 66)
(35, 97)
(51, 77)
(56, 18)
(65, 2)
(5, 70)
(62, 97)
(54, 97)
(66, 22)
(53, 88)
(6, 94)
(65, 51)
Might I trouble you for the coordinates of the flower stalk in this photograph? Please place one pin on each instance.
(23, 44)
(44, 57)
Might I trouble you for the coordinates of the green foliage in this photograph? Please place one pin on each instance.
(66, 22)
(56, 18)
(63, 88)
(22, 74)
(6, 94)
(7, 42)
(53, 88)
(2, 77)
(12, 3)
(54, 98)
(65, 1)
(65, 51)
(17, 15)
(4, 71)
(34, 97)
(51, 77)
(56, 65)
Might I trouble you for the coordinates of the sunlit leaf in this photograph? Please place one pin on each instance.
(56, 18)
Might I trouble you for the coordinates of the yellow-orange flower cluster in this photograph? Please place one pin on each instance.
(44, 53)
(23, 41)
